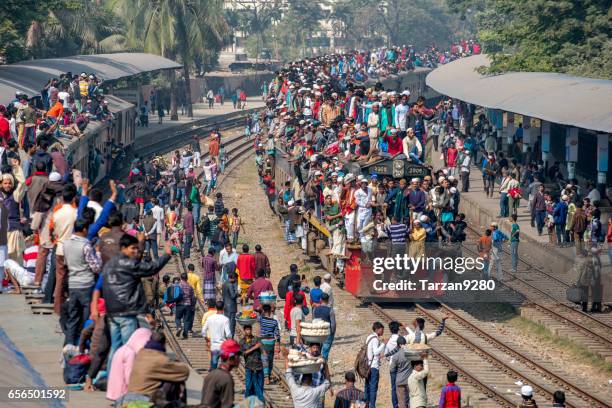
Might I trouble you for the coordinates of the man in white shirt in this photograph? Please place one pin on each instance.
(416, 383)
(363, 199)
(227, 256)
(63, 222)
(465, 171)
(419, 336)
(305, 395)
(375, 348)
(401, 114)
(412, 147)
(216, 330)
(158, 214)
(327, 288)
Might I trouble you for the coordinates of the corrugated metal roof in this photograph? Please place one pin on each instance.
(558, 98)
(30, 76)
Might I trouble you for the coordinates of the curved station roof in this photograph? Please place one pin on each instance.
(569, 100)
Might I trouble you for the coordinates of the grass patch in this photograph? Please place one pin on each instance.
(576, 350)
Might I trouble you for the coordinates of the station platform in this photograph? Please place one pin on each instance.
(481, 211)
(200, 111)
(32, 344)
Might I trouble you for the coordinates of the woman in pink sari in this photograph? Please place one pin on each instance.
(121, 365)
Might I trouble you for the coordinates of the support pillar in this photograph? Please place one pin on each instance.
(545, 129)
(571, 151)
(528, 135)
(498, 122)
(603, 143)
(509, 130)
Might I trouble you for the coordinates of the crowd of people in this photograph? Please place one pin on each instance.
(98, 262)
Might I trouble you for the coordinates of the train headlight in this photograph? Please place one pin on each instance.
(398, 168)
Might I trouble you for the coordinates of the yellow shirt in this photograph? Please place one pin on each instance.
(418, 234)
(194, 282)
(206, 316)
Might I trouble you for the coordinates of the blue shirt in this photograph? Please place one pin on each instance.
(498, 238)
(315, 295)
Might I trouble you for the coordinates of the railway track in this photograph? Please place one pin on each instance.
(168, 143)
(542, 290)
(492, 365)
(194, 351)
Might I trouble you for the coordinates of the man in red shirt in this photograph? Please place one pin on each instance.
(394, 143)
(246, 271)
(261, 284)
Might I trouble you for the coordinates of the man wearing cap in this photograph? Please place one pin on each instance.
(327, 288)
(374, 126)
(363, 199)
(218, 385)
(417, 199)
(527, 397)
(464, 168)
(401, 209)
(412, 147)
(394, 143)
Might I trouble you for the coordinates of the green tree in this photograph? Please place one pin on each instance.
(254, 18)
(56, 28)
(189, 29)
(571, 36)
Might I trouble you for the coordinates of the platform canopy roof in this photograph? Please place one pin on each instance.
(32, 75)
(569, 100)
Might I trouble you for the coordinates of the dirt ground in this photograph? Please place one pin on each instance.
(240, 189)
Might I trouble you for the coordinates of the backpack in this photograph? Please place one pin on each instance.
(173, 294)
(75, 369)
(204, 225)
(284, 285)
(362, 363)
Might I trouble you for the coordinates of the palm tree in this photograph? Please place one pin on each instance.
(81, 27)
(174, 28)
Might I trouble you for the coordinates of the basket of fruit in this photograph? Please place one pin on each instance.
(302, 363)
(267, 298)
(315, 332)
(246, 318)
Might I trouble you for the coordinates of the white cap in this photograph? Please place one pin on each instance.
(317, 173)
(451, 178)
(564, 197)
(423, 218)
(290, 202)
(453, 190)
(327, 276)
(415, 180)
(441, 179)
(527, 391)
(55, 176)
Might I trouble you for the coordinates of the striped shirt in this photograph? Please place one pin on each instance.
(29, 257)
(188, 298)
(269, 328)
(397, 233)
(348, 395)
